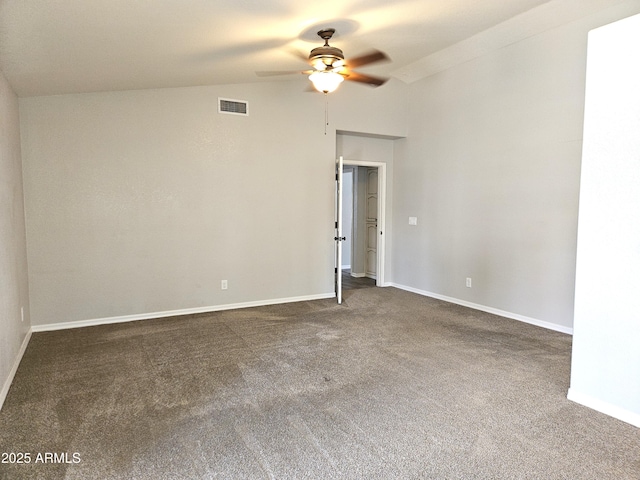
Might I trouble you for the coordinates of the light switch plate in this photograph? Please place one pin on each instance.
(413, 220)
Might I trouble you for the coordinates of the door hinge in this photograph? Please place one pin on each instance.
(336, 224)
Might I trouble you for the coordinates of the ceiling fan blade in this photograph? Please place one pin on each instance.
(275, 73)
(297, 53)
(368, 79)
(371, 57)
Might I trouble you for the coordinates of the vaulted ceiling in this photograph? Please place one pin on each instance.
(71, 46)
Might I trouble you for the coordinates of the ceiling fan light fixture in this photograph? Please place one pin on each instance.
(326, 81)
(319, 65)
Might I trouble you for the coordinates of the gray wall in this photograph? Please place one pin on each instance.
(14, 293)
(491, 169)
(143, 201)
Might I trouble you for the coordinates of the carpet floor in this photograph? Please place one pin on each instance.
(387, 385)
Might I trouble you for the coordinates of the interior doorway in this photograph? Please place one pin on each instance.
(351, 278)
(364, 196)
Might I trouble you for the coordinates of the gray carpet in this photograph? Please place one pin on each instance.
(388, 385)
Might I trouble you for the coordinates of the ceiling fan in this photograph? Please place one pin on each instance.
(330, 68)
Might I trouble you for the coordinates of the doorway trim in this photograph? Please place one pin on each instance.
(382, 214)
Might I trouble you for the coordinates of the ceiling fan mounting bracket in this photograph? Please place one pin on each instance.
(326, 34)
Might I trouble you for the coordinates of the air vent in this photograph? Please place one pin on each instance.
(234, 107)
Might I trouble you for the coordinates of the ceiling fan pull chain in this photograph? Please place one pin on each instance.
(326, 112)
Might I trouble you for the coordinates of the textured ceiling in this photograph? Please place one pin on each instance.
(70, 46)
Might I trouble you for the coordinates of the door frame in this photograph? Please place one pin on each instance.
(339, 238)
(382, 214)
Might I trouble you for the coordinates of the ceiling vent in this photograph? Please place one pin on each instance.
(234, 107)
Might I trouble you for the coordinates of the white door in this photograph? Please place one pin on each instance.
(371, 253)
(338, 237)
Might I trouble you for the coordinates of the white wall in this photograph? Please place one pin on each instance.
(143, 201)
(605, 372)
(14, 293)
(491, 169)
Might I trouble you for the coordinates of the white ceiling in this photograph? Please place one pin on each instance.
(71, 46)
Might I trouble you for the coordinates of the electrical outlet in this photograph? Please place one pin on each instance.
(224, 285)
(468, 282)
(413, 220)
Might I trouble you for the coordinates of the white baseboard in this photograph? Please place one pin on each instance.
(604, 407)
(495, 311)
(7, 384)
(358, 275)
(175, 313)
